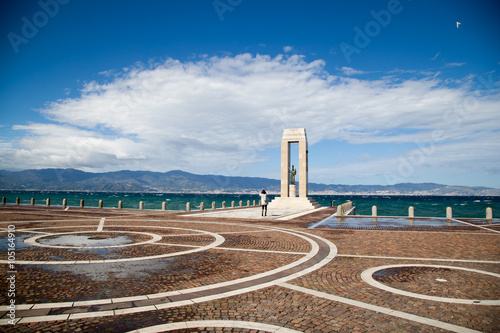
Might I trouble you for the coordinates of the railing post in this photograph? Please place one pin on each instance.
(232, 204)
(241, 203)
(141, 205)
(82, 203)
(47, 202)
(374, 211)
(223, 204)
(449, 213)
(164, 205)
(489, 213)
(32, 201)
(18, 201)
(65, 203)
(4, 200)
(188, 206)
(248, 203)
(120, 204)
(254, 202)
(333, 203)
(214, 205)
(411, 211)
(202, 206)
(101, 204)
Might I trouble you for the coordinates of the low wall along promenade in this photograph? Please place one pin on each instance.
(347, 208)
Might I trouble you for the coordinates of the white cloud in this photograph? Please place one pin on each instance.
(350, 71)
(287, 49)
(218, 114)
(455, 64)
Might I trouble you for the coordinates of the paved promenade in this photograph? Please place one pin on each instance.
(105, 270)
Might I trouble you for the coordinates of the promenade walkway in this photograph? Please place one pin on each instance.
(105, 270)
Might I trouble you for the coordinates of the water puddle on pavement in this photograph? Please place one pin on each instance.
(86, 240)
(382, 222)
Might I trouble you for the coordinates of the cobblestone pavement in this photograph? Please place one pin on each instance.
(105, 270)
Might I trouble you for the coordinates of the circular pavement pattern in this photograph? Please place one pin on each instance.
(435, 282)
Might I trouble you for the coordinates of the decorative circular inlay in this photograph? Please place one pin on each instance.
(434, 282)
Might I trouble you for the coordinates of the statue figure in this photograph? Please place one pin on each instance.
(292, 172)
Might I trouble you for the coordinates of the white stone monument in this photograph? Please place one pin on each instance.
(288, 199)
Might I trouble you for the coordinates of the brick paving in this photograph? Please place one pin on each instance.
(240, 270)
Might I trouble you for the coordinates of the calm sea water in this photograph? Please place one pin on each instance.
(425, 206)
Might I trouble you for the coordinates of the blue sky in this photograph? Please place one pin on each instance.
(388, 91)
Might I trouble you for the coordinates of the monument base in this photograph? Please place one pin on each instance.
(293, 203)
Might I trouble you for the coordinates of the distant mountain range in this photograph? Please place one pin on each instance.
(180, 181)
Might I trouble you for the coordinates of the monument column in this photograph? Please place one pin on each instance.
(303, 167)
(285, 164)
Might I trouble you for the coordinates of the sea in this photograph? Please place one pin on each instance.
(387, 205)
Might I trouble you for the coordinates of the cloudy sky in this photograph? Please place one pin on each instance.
(388, 91)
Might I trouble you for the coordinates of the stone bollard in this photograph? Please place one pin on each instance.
(449, 213)
(18, 201)
(489, 213)
(411, 211)
(232, 204)
(120, 204)
(254, 202)
(65, 203)
(32, 201)
(141, 205)
(333, 203)
(101, 204)
(188, 206)
(47, 202)
(202, 206)
(82, 203)
(214, 205)
(248, 203)
(241, 203)
(223, 204)
(164, 205)
(374, 211)
(4, 200)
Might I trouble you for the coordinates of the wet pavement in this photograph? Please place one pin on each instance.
(108, 270)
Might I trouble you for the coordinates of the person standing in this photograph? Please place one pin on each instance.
(263, 202)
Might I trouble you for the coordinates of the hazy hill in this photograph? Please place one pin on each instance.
(180, 181)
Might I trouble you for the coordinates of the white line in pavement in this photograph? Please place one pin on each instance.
(421, 259)
(215, 323)
(101, 225)
(387, 311)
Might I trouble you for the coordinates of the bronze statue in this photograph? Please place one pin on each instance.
(292, 172)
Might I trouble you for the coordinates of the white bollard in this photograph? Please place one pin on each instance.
(489, 213)
(374, 211)
(101, 203)
(164, 205)
(411, 211)
(188, 206)
(214, 205)
(232, 204)
(141, 205)
(202, 206)
(223, 204)
(449, 213)
(120, 204)
(64, 204)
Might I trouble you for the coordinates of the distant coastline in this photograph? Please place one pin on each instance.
(177, 181)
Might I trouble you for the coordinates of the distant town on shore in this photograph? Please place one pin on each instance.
(180, 181)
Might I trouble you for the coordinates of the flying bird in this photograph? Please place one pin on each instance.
(458, 23)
